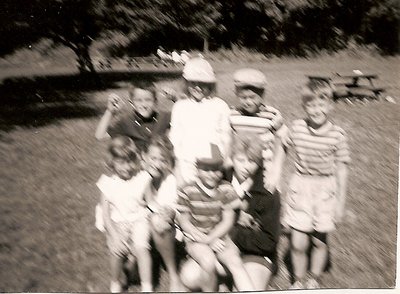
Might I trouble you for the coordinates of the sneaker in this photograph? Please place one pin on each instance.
(115, 287)
(312, 284)
(297, 286)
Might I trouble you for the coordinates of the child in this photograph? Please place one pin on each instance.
(124, 214)
(161, 200)
(317, 191)
(199, 120)
(207, 216)
(252, 116)
(257, 232)
(141, 123)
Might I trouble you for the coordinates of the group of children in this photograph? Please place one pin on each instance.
(171, 173)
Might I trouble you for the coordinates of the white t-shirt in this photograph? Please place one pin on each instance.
(195, 125)
(125, 196)
(167, 193)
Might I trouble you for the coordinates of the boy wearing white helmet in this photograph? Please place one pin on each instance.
(253, 116)
(198, 121)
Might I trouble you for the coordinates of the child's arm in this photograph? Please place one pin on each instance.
(275, 172)
(184, 219)
(341, 178)
(224, 226)
(108, 223)
(113, 105)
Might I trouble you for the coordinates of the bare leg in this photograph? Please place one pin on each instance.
(259, 275)
(319, 256)
(165, 244)
(145, 268)
(116, 270)
(299, 245)
(230, 257)
(206, 258)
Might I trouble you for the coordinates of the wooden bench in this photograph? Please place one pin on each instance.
(352, 88)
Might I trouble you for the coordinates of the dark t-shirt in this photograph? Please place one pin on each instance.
(265, 209)
(141, 129)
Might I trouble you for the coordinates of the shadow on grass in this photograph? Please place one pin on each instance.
(41, 100)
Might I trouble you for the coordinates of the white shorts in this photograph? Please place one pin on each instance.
(311, 203)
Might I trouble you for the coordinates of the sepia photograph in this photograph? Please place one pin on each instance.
(199, 145)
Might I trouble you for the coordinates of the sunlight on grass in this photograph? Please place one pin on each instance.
(48, 241)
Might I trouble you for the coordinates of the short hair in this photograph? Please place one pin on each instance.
(144, 85)
(248, 144)
(164, 144)
(315, 89)
(122, 147)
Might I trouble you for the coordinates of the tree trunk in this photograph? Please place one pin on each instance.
(85, 63)
(205, 45)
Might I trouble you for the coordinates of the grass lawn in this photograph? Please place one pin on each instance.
(50, 162)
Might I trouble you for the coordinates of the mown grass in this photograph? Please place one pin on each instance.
(47, 183)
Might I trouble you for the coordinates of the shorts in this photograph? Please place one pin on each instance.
(131, 235)
(263, 260)
(311, 203)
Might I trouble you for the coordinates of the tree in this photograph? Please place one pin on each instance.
(72, 23)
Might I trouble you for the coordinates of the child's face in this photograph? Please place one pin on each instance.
(249, 100)
(243, 166)
(124, 169)
(198, 90)
(317, 111)
(157, 163)
(210, 178)
(144, 102)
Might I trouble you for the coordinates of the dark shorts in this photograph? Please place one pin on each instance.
(263, 260)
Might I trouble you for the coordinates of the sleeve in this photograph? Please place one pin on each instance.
(224, 129)
(264, 242)
(167, 194)
(183, 203)
(118, 127)
(231, 199)
(342, 153)
(105, 186)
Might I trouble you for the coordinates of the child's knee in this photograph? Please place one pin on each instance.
(208, 263)
(299, 241)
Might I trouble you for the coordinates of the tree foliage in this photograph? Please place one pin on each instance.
(270, 26)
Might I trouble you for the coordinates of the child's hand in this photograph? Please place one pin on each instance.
(217, 245)
(159, 224)
(273, 114)
(245, 219)
(115, 103)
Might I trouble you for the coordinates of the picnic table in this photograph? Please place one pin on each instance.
(351, 85)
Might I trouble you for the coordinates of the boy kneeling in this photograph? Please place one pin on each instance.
(207, 215)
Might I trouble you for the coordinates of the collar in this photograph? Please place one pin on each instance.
(141, 119)
(209, 192)
(326, 127)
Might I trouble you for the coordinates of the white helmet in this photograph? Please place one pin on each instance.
(198, 70)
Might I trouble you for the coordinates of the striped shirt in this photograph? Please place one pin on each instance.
(268, 124)
(206, 206)
(317, 151)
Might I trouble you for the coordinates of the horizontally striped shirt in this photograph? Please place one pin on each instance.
(267, 127)
(317, 151)
(206, 206)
